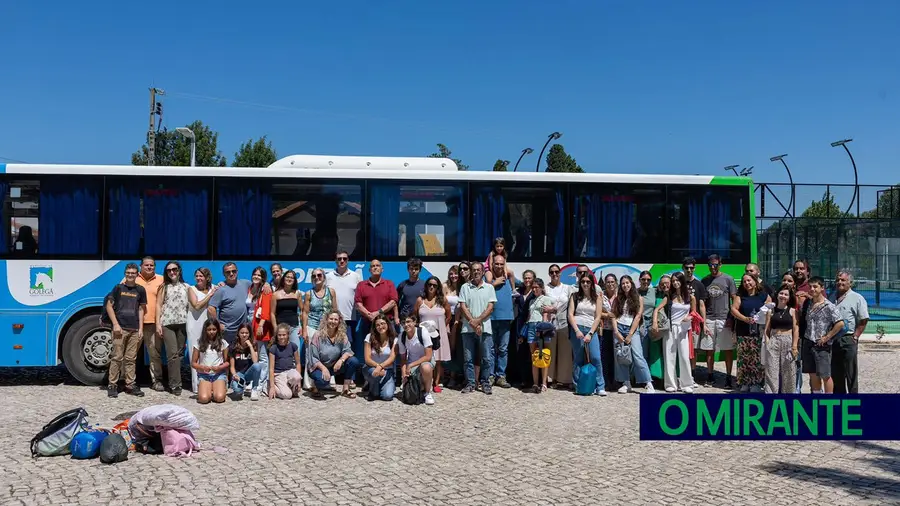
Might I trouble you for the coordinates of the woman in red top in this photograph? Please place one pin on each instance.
(259, 308)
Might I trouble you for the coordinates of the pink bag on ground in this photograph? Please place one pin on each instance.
(178, 442)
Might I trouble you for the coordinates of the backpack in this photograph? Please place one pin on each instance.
(114, 296)
(435, 343)
(56, 437)
(412, 390)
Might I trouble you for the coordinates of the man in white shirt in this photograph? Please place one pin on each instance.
(344, 282)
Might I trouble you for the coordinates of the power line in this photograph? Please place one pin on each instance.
(13, 160)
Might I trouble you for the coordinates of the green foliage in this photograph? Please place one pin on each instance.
(255, 154)
(888, 206)
(501, 165)
(444, 152)
(560, 161)
(824, 208)
(173, 149)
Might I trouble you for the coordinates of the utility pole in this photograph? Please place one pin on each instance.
(151, 133)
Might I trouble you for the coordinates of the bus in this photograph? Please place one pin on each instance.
(71, 229)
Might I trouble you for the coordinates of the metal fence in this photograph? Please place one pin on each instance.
(835, 227)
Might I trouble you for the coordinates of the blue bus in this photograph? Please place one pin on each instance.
(71, 229)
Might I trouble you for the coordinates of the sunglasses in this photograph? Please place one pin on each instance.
(552, 273)
(432, 285)
(233, 271)
(343, 259)
(463, 268)
(646, 279)
(713, 265)
(318, 276)
(173, 269)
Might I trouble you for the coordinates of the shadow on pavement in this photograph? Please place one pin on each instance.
(880, 458)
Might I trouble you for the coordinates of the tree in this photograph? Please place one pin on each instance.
(255, 154)
(888, 206)
(444, 152)
(501, 165)
(173, 149)
(560, 161)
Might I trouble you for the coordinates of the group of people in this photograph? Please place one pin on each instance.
(479, 328)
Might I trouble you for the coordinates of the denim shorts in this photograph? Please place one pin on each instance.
(532, 335)
(212, 378)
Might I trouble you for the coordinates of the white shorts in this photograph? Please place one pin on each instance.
(722, 337)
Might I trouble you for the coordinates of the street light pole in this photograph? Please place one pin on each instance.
(792, 205)
(188, 133)
(732, 169)
(551, 137)
(526, 151)
(843, 143)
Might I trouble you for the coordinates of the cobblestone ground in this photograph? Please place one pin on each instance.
(511, 448)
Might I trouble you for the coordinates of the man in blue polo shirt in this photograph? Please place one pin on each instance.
(501, 320)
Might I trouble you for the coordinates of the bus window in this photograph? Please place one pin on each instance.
(618, 222)
(164, 217)
(709, 219)
(530, 219)
(416, 220)
(315, 221)
(21, 216)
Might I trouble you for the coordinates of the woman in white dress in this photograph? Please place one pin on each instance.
(433, 307)
(198, 296)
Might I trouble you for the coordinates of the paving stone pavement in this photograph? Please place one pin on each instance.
(510, 448)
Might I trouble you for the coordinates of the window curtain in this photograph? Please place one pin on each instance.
(489, 208)
(124, 237)
(559, 238)
(709, 231)
(245, 221)
(384, 220)
(69, 217)
(617, 229)
(461, 225)
(4, 234)
(588, 235)
(176, 220)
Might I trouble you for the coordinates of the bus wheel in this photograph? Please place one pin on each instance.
(87, 349)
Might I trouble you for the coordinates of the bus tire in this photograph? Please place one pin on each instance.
(86, 350)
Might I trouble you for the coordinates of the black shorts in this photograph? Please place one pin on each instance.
(816, 359)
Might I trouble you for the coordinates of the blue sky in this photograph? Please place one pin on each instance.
(635, 86)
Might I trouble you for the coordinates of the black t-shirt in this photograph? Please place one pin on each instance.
(698, 290)
(127, 301)
(243, 359)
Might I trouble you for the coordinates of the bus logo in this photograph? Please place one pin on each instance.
(41, 278)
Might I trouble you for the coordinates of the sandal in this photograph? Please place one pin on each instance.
(315, 394)
(348, 394)
(536, 389)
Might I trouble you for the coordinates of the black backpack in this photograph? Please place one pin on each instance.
(435, 343)
(412, 390)
(114, 297)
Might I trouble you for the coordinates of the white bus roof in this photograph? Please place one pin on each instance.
(355, 174)
(363, 163)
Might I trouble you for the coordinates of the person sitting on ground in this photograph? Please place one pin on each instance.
(245, 365)
(210, 358)
(285, 378)
(330, 354)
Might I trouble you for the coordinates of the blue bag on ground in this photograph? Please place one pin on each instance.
(587, 376)
(86, 445)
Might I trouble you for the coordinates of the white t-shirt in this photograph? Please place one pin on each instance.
(211, 357)
(379, 355)
(345, 290)
(560, 295)
(412, 348)
(584, 313)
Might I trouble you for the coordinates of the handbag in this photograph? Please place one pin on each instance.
(587, 375)
(540, 357)
(623, 354)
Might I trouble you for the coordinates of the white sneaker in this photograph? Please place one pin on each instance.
(429, 400)
(649, 389)
(671, 390)
(688, 390)
(624, 389)
(601, 393)
(254, 395)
